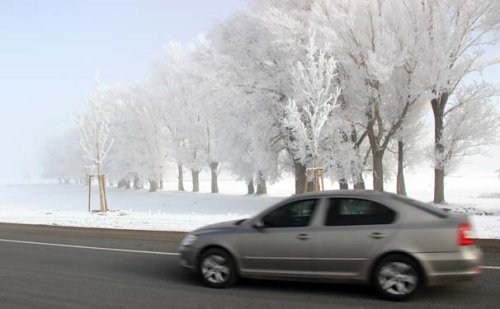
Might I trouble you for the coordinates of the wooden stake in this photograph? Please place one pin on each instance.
(104, 193)
(90, 191)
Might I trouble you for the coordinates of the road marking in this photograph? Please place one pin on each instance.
(86, 247)
(491, 267)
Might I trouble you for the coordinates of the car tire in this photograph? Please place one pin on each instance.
(397, 277)
(217, 269)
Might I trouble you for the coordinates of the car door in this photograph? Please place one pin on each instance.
(282, 245)
(354, 230)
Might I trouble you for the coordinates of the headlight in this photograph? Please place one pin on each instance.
(188, 240)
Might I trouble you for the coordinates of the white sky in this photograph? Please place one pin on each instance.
(50, 52)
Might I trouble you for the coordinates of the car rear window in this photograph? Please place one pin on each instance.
(351, 211)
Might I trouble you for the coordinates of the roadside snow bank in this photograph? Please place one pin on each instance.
(117, 219)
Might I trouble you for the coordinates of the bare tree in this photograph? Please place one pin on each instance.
(470, 121)
(93, 124)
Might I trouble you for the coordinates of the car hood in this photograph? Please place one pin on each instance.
(218, 226)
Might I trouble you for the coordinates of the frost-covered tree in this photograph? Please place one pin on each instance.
(470, 121)
(377, 44)
(249, 137)
(210, 99)
(250, 154)
(263, 45)
(140, 138)
(314, 102)
(172, 88)
(151, 137)
(125, 163)
(456, 33)
(93, 124)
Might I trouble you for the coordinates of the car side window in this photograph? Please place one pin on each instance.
(295, 214)
(349, 211)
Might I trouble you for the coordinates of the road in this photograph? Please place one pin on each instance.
(132, 271)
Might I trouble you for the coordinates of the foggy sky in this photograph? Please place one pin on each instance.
(50, 52)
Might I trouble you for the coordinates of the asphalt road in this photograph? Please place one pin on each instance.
(34, 275)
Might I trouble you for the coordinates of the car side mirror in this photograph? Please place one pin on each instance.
(259, 225)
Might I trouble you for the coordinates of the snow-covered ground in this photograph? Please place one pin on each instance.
(67, 205)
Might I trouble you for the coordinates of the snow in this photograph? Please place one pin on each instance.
(67, 205)
(169, 210)
(159, 221)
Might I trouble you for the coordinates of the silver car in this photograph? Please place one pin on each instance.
(394, 243)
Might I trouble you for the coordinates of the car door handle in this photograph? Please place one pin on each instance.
(303, 236)
(378, 235)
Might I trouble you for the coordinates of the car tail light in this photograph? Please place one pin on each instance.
(465, 234)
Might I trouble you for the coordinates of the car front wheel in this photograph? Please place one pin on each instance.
(396, 277)
(217, 269)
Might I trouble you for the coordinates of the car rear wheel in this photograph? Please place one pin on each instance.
(396, 277)
(217, 269)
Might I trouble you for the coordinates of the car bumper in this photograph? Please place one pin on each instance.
(187, 257)
(441, 268)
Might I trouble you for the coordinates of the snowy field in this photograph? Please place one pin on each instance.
(169, 210)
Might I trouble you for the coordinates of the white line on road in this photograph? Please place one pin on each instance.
(491, 267)
(86, 247)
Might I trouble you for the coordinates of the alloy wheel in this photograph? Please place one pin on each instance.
(215, 270)
(398, 278)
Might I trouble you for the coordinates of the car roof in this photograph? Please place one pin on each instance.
(357, 193)
(376, 196)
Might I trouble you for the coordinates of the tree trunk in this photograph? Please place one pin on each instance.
(162, 184)
(261, 184)
(400, 186)
(250, 187)
(124, 183)
(153, 185)
(180, 184)
(262, 187)
(438, 186)
(378, 170)
(438, 111)
(377, 157)
(343, 184)
(195, 175)
(137, 183)
(359, 182)
(102, 207)
(300, 178)
(102, 193)
(213, 170)
(360, 185)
